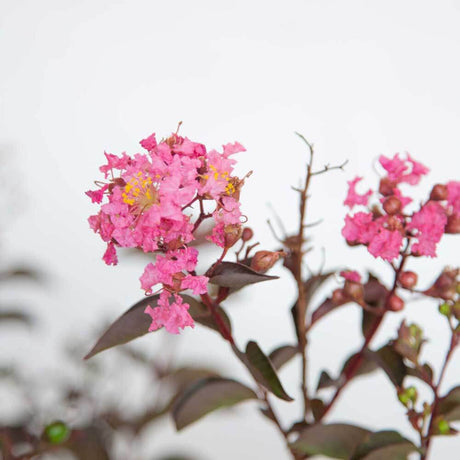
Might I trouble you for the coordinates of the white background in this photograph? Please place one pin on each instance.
(357, 78)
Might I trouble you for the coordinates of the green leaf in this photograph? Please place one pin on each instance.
(384, 445)
(235, 275)
(391, 362)
(130, 325)
(449, 405)
(263, 371)
(337, 440)
(208, 395)
(282, 355)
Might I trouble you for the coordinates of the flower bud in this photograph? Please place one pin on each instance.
(453, 224)
(354, 291)
(395, 303)
(392, 205)
(264, 260)
(386, 186)
(232, 233)
(247, 234)
(339, 297)
(408, 279)
(439, 193)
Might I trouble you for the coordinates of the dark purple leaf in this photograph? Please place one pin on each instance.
(208, 395)
(317, 408)
(201, 314)
(337, 440)
(383, 445)
(235, 275)
(263, 371)
(391, 362)
(449, 405)
(282, 355)
(132, 324)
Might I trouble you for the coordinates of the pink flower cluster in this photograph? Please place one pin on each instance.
(146, 203)
(385, 228)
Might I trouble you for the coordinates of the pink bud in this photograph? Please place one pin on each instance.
(408, 279)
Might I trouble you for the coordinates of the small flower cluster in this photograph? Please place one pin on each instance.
(146, 204)
(385, 228)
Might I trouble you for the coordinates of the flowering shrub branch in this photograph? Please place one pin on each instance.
(148, 202)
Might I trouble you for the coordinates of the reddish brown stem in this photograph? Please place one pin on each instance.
(223, 329)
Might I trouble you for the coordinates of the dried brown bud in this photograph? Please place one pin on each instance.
(439, 193)
(386, 186)
(408, 279)
(354, 291)
(392, 205)
(395, 303)
(264, 260)
(247, 234)
(453, 224)
(232, 234)
(176, 283)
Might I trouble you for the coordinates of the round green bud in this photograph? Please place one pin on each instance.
(57, 432)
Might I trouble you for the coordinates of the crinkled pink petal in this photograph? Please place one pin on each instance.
(198, 284)
(172, 316)
(429, 224)
(386, 244)
(359, 228)
(230, 149)
(149, 143)
(353, 198)
(110, 255)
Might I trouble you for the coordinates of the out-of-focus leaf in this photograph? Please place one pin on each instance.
(409, 341)
(208, 395)
(423, 372)
(263, 371)
(391, 362)
(17, 316)
(367, 366)
(132, 324)
(184, 376)
(326, 307)
(449, 405)
(282, 355)
(201, 314)
(375, 294)
(28, 273)
(337, 440)
(383, 445)
(317, 408)
(235, 275)
(325, 381)
(88, 444)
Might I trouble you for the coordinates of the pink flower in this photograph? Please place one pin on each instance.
(353, 198)
(172, 316)
(351, 276)
(146, 203)
(428, 224)
(453, 197)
